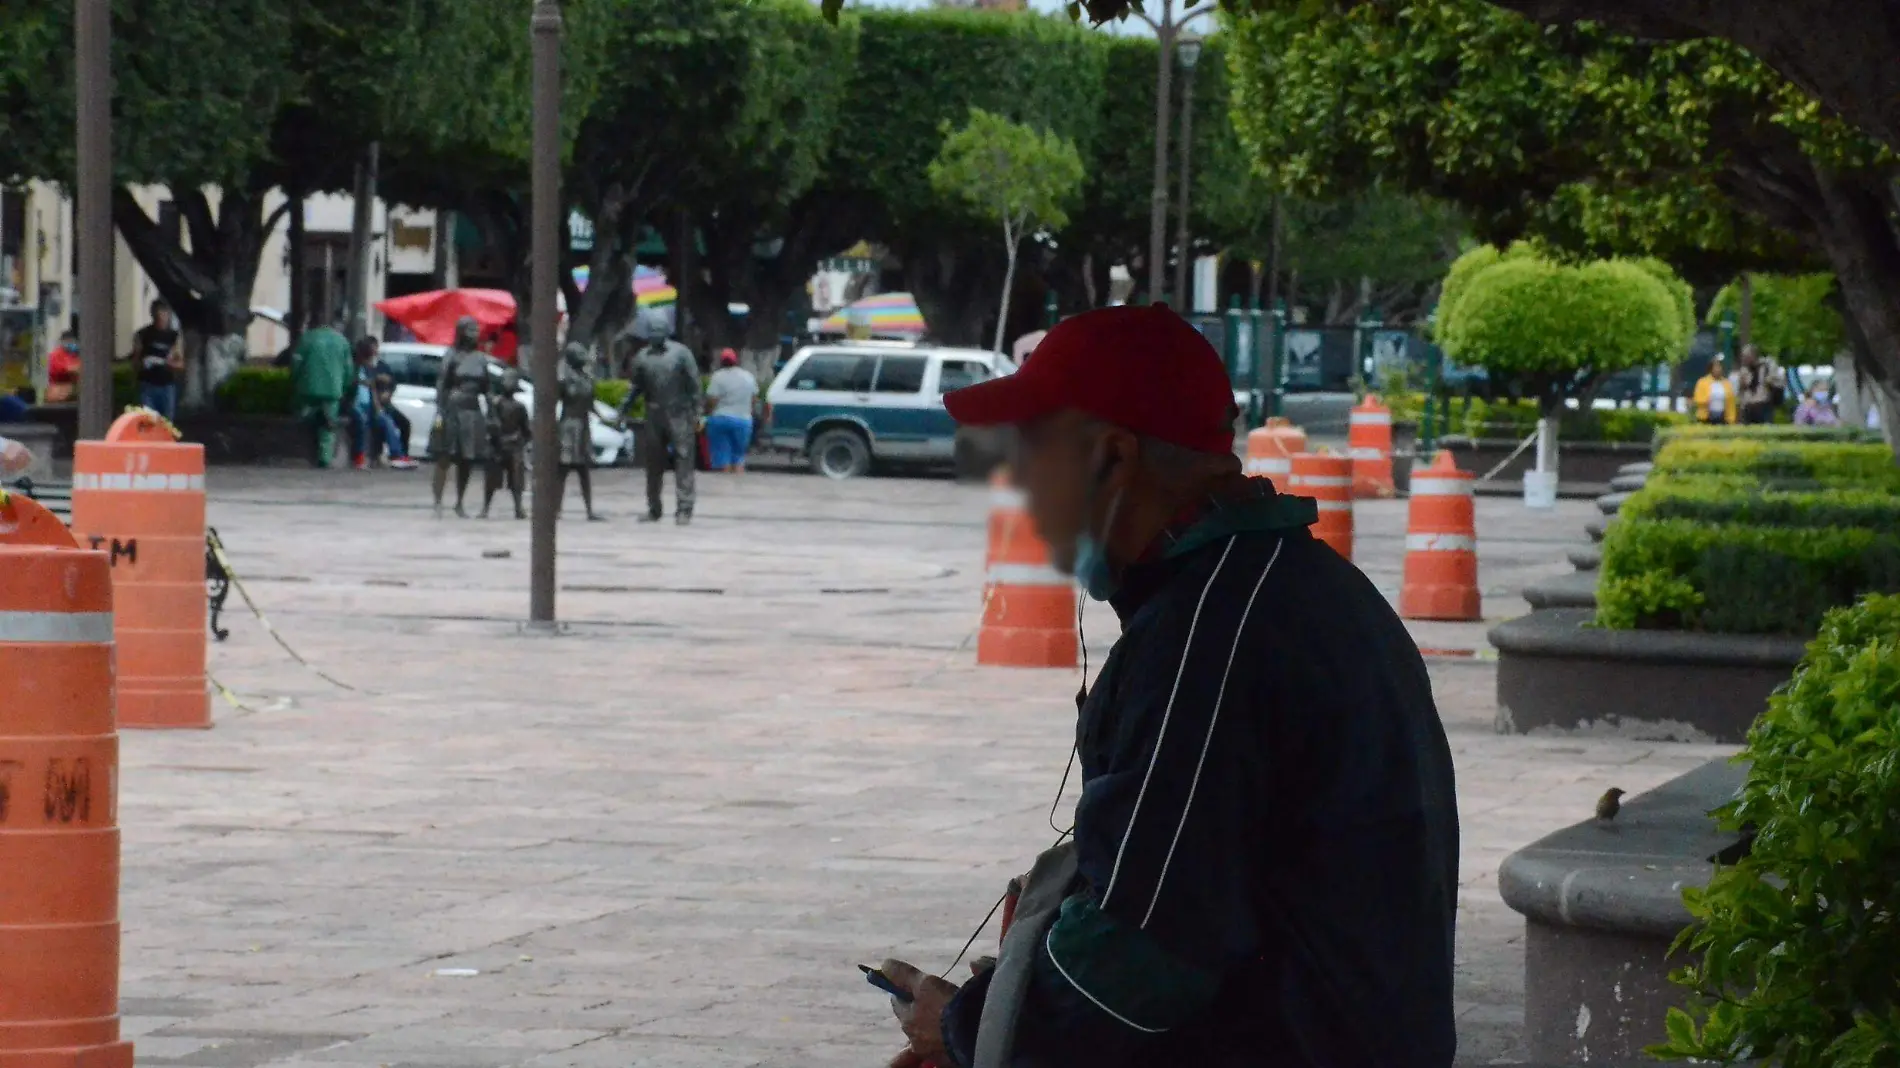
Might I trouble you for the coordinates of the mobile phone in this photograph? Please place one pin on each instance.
(883, 982)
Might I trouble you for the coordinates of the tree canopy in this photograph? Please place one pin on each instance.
(1012, 175)
(1596, 144)
(1794, 316)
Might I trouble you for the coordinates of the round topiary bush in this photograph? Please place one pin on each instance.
(1548, 329)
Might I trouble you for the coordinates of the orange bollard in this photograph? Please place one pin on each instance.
(1328, 480)
(140, 496)
(1369, 438)
(59, 768)
(1028, 606)
(1441, 546)
(1270, 451)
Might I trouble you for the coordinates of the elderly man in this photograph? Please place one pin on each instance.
(1265, 855)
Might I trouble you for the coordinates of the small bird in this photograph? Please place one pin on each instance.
(1610, 804)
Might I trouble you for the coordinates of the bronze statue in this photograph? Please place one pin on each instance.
(460, 394)
(509, 428)
(575, 428)
(665, 373)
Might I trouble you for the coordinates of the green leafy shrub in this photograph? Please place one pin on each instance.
(1795, 946)
(125, 386)
(612, 391)
(1733, 578)
(256, 391)
(1776, 458)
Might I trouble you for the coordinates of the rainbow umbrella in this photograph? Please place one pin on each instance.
(882, 315)
(649, 285)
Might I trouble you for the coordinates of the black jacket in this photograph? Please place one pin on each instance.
(1267, 831)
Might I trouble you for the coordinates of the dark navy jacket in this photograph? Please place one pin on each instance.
(1267, 833)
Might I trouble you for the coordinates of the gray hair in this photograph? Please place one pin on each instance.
(1170, 462)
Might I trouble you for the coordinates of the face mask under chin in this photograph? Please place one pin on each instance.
(1094, 572)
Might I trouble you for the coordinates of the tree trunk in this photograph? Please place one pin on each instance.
(953, 285)
(209, 286)
(1009, 280)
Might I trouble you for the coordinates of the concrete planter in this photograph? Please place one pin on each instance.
(1575, 590)
(1592, 463)
(1556, 674)
(1602, 902)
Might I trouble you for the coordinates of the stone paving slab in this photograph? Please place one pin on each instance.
(758, 754)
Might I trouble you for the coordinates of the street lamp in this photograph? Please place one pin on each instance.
(1165, 29)
(92, 40)
(1189, 52)
(545, 28)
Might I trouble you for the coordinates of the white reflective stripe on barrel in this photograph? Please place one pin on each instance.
(1006, 498)
(62, 627)
(1322, 480)
(1025, 575)
(1368, 454)
(1441, 487)
(1334, 506)
(140, 483)
(1371, 419)
(1269, 465)
(1440, 543)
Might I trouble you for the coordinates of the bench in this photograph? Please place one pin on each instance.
(57, 498)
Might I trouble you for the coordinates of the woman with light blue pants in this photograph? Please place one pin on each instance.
(731, 394)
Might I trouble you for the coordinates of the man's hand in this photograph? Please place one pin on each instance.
(922, 1016)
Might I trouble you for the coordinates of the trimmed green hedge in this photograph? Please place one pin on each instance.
(256, 391)
(1738, 579)
(1791, 956)
(1777, 459)
(1517, 418)
(1727, 499)
(1775, 432)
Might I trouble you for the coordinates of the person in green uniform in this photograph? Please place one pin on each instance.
(320, 372)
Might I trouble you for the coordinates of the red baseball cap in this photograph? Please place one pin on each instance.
(1142, 368)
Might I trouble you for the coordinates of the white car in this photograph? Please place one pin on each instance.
(854, 403)
(416, 367)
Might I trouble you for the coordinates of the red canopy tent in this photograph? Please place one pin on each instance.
(432, 316)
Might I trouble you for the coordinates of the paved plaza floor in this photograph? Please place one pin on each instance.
(758, 753)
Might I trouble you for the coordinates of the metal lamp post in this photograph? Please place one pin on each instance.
(1165, 29)
(92, 38)
(545, 27)
(1188, 49)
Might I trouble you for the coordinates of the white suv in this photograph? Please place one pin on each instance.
(854, 403)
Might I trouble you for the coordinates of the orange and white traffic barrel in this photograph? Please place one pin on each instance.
(59, 771)
(1328, 480)
(1369, 440)
(139, 496)
(1028, 606)
(1270, 451)
(1441, 546)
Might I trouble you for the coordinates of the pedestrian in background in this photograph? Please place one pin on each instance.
(1816, 408)
(158, 357)
(62, 369)
(1760, 387)
(1715, 396)
(320, 374)
(732, 396)
(370, 418)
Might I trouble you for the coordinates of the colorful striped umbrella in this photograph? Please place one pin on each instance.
(649, 285)
(882, 315)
